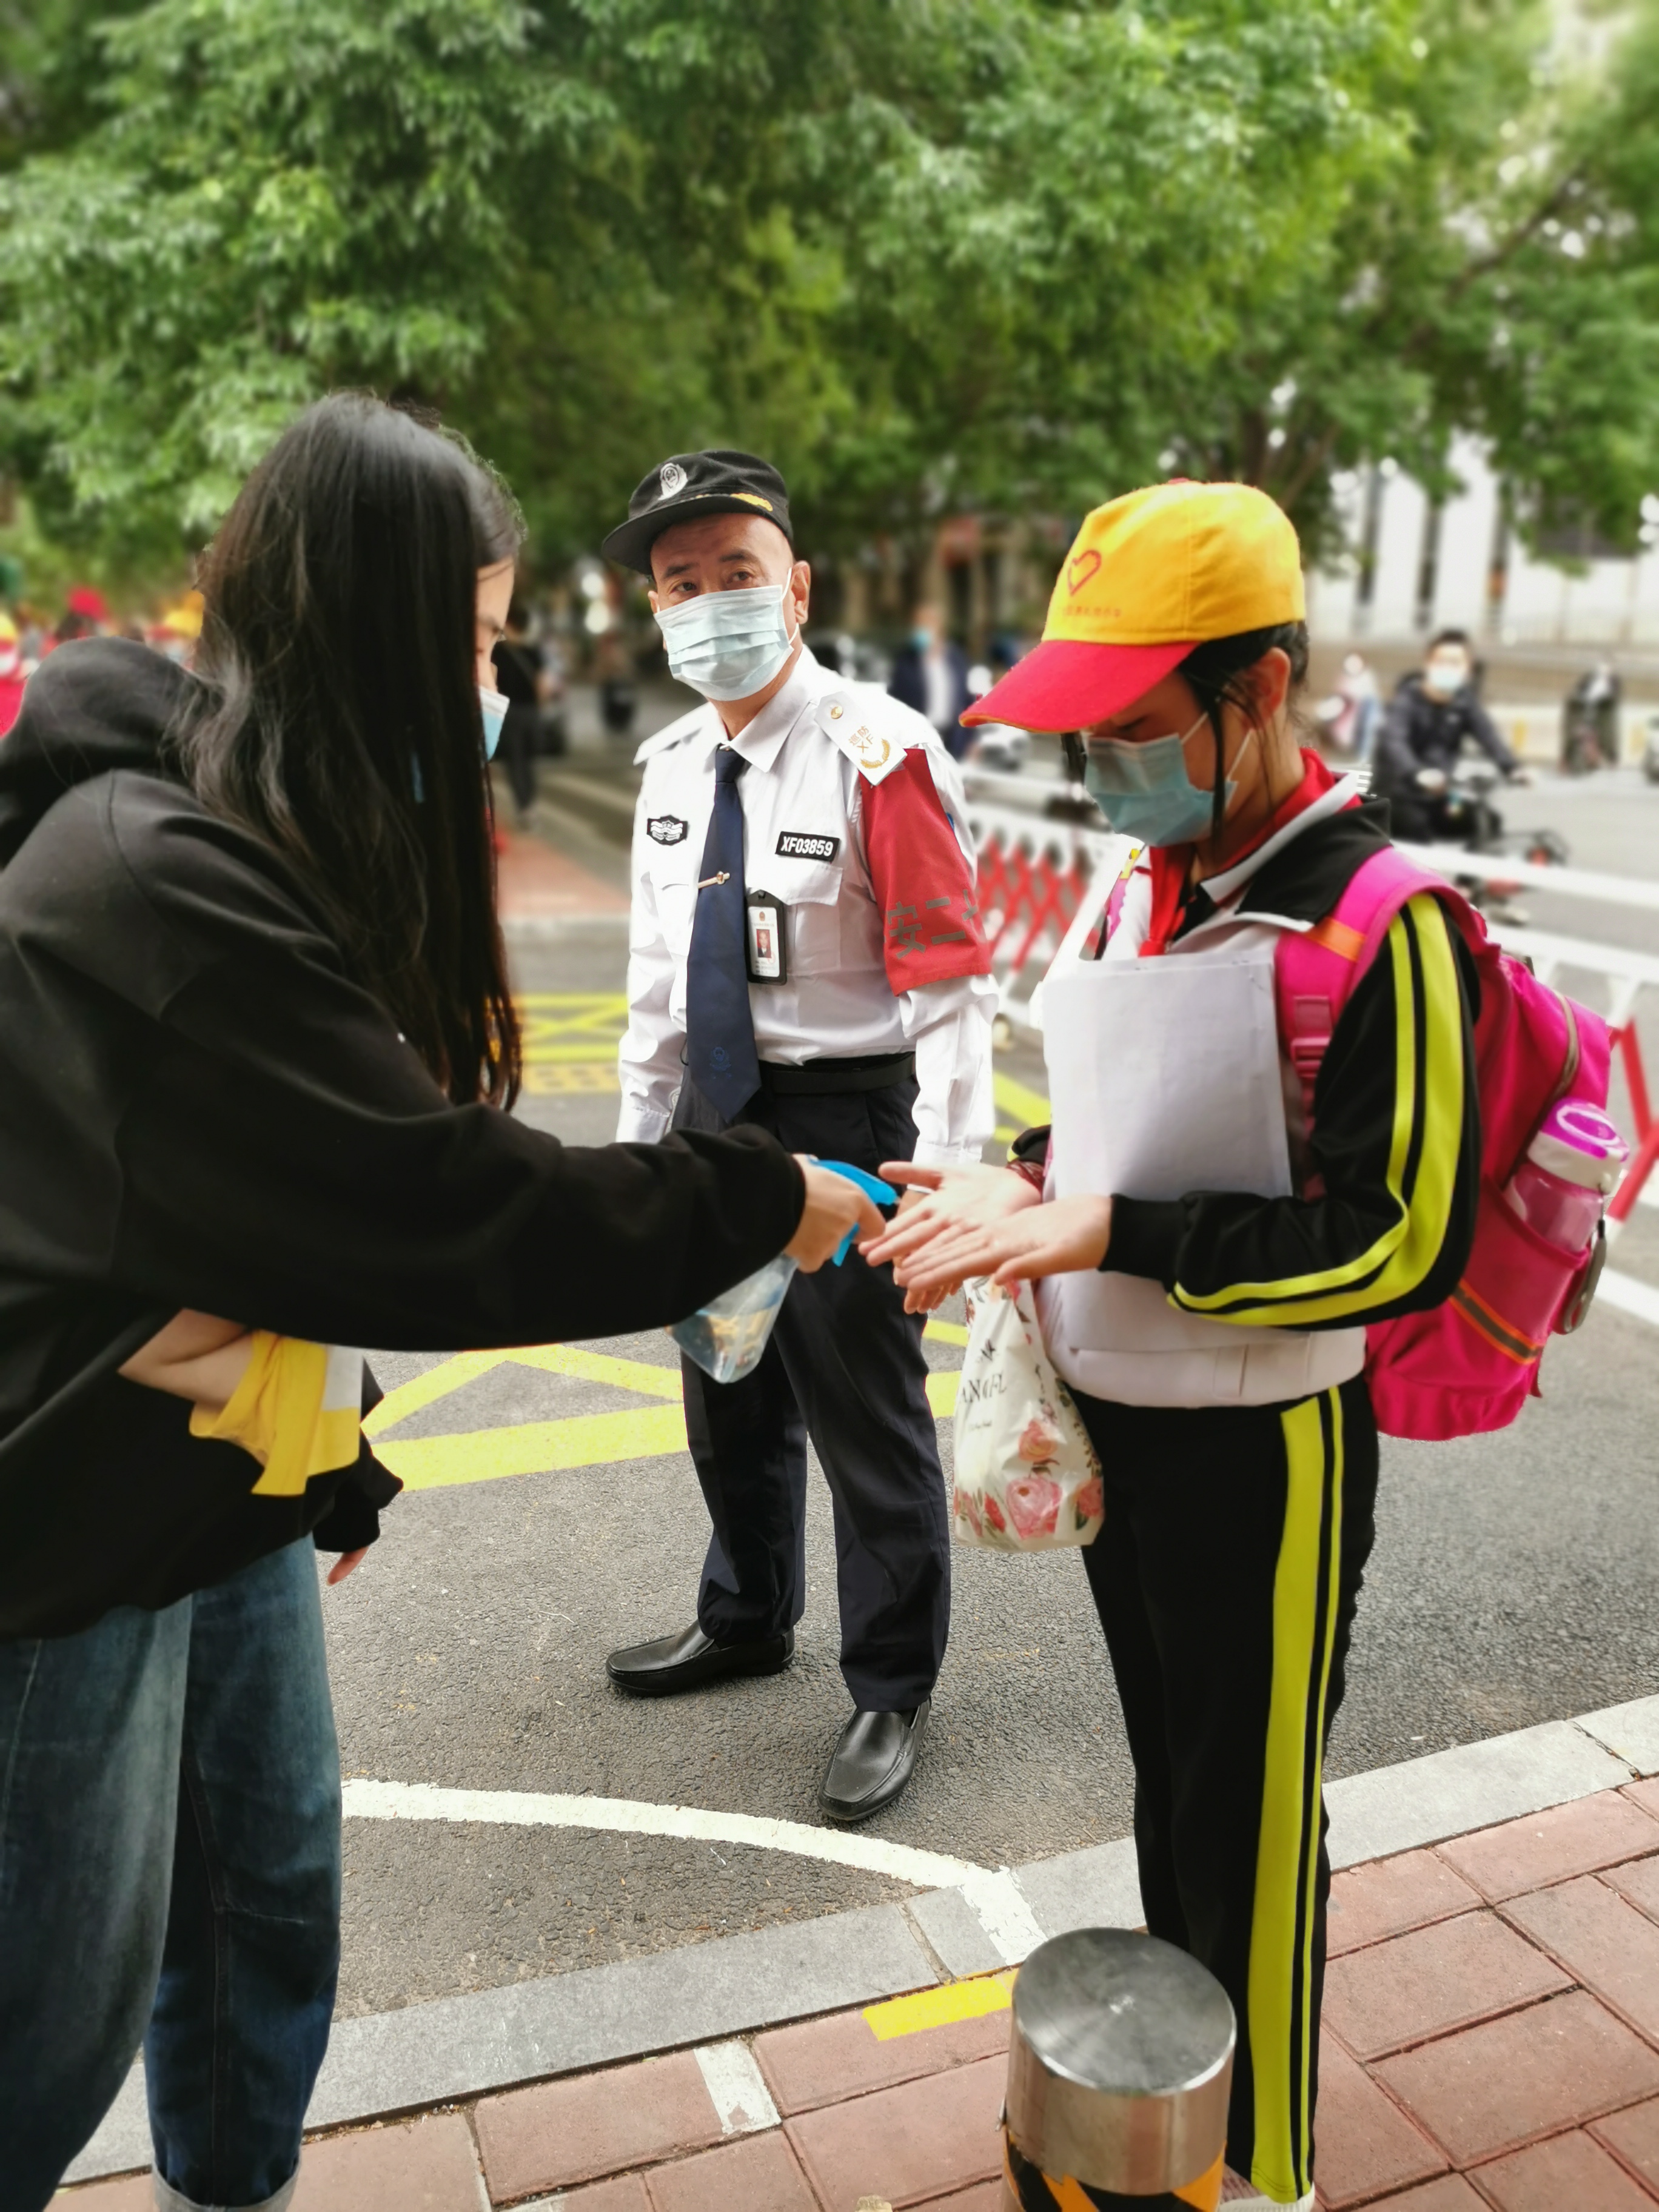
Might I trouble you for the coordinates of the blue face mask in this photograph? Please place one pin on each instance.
(1145, 792)
(729, 644)
(494, 709)
(922, 639)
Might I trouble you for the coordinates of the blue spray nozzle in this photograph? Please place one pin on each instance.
(873, 1187)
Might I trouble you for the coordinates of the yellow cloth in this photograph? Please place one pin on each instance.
(297, 1410)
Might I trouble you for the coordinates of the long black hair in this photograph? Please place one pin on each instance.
(338, 715)
(1212, 671)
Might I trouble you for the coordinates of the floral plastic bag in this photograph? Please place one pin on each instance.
(1027, 1479)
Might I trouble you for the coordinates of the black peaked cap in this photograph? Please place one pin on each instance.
(687, 486)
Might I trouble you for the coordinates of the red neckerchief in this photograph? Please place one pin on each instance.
(1171, 863)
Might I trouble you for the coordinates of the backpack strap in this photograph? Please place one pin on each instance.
(1314, 970)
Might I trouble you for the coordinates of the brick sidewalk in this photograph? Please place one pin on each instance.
(1492, 2040)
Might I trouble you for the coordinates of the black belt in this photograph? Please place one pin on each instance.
(820, 1078)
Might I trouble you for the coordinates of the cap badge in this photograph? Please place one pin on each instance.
(671, 478)
(1079, 569)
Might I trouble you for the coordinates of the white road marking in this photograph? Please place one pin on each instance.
(1628, 1295)
(994, 1893)
(736, 2087)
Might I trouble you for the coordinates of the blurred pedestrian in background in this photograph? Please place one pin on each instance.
(1424, 726)
(255, 1030)
(806, 957)
(1349, 717)
(517, 674)
(930, 677)
(1589, 720)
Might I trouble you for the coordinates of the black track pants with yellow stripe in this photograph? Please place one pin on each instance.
(1226, 1576)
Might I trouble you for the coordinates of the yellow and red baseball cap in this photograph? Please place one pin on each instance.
(1150, 576)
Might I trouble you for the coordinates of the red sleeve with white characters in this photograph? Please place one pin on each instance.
(923, 886)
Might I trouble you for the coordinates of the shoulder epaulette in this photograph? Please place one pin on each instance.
(664, 740)
(871, 739)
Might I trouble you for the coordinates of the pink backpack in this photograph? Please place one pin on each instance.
(1470, 1364)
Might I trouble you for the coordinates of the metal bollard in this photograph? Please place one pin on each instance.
(1119, 2063)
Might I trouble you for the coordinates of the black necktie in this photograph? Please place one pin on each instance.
(719, 1032)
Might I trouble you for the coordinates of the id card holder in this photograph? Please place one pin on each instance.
(765, 929)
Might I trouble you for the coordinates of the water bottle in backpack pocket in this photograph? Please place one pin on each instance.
(1571, 1169)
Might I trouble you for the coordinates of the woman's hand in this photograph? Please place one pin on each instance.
(940, 1203)
(833, 1206)
(1061, 1237)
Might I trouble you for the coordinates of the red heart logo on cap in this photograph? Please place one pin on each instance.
(1079, 569)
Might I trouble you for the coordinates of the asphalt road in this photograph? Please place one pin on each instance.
(1515, 1579)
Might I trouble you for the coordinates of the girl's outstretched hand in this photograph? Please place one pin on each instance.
(1066, 1234)
(942, 1206)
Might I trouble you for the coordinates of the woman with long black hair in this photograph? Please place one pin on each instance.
(255, 1033)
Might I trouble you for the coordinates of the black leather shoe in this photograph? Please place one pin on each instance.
(688, 1660)
(874, 1757)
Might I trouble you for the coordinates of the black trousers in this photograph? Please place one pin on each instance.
(1226, 1576)
(845, 1366)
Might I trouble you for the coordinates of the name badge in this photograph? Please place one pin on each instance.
(765, 921)
(806, 845)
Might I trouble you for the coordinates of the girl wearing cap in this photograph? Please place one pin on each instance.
(1208, 1243)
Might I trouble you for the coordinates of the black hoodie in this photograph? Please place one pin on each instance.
(199, 1107)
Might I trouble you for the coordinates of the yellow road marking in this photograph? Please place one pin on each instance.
(570, 1025)
(437, 1382)
(1028, 1107)
(547, 1447)
(569, 1040)
(942, 1392)
(586, 1076)
(968, 2000)
(640, 1375)
(535, 1447)
(552, 1358)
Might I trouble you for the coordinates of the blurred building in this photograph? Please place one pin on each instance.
(1417, 565)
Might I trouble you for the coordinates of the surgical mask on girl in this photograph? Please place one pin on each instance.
(1145, 792)
(729, 644)
(493, 707)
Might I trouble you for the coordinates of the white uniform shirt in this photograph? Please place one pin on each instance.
(815, 752)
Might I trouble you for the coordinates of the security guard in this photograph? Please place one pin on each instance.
(806, 953)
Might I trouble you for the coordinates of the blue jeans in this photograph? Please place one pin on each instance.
(170, 1871)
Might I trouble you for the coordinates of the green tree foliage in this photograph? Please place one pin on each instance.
(1007, 254)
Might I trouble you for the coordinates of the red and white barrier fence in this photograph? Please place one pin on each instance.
(1044, 885)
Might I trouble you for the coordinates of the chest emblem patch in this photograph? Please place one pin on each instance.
(666, 829)
(806, 845)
